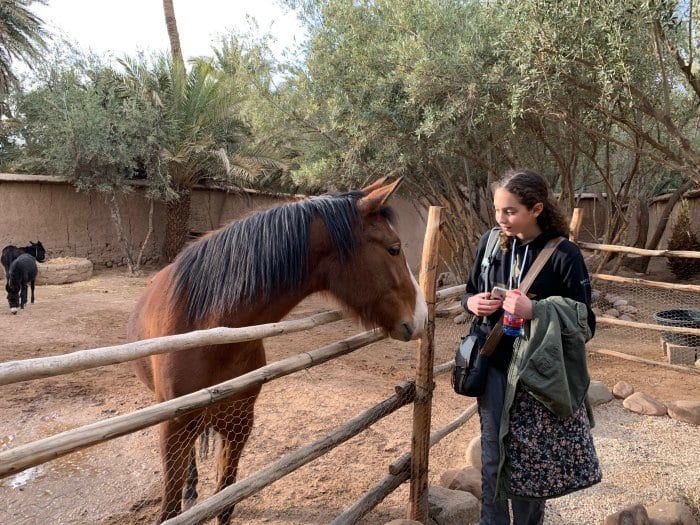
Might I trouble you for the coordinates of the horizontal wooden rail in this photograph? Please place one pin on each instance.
(232, 494)
(399, 471)
(24, 456)
(639, 251)
(648, 326)
(41, 367)
(634, 358)
(642, 282)
(452, 291)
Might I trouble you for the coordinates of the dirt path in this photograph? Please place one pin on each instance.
(118, 482)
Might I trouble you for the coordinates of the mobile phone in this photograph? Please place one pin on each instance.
(498, 293)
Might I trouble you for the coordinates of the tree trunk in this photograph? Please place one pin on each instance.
(177, 223)
(173, 35)
(661, 226)
(117, 221)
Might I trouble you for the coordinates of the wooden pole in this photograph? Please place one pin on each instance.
(643, 282)
(575, 224)
(420, 443)
(678, 368)
(647, 326)
(399, 472)
(292, 461)
(38, 368)
(640, 251)
(24, 456)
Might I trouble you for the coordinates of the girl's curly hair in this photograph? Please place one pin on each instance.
(530, 188)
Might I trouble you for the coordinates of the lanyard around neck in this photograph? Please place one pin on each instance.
(513, 266)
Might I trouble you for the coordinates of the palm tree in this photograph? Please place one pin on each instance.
(173, 35)
(21, 37)
(204, 136)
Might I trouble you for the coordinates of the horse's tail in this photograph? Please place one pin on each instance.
(207, 442)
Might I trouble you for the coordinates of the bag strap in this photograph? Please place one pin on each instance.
(489, 253)
(497, 331)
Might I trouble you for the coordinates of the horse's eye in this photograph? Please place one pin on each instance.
(394, 250)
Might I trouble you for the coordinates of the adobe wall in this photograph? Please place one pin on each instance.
(74, 224)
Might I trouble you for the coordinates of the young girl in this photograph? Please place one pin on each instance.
(528, 218)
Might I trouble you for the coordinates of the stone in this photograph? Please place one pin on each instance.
(612, 312)
(466, 479)
(621, 302)
(403, 522)
(452, 507)
(670, 513)
(642, 403)
(473, 452)
(626, 317)
(633, 515)
(685, 410)
(598, 393)
(627, 309)
(622, 390)
(461, 318)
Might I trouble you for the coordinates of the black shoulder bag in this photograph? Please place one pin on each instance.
(471, 360)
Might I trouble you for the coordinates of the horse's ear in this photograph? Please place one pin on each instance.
(377, 198)
(376, 184)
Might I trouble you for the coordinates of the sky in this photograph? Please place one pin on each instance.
(129, 26)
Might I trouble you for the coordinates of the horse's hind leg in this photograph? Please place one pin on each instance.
(234, 423)
(176, 442)
(189, 493)
(32, 286)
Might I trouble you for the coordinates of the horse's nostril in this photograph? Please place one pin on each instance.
(408, 329)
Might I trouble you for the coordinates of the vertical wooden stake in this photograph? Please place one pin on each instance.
(575, 224)
(420, 444)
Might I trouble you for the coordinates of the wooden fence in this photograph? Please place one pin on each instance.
(413, 465)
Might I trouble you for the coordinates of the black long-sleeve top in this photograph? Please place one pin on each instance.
(565, 274)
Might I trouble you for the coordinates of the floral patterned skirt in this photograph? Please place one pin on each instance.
(548, 456)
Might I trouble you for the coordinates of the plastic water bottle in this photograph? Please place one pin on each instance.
(512, 324)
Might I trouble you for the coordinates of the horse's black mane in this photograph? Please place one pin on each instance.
(263, 254)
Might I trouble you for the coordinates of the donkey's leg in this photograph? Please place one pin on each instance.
(23, 295)
(32, 286)
(176, 440)
(234, 423)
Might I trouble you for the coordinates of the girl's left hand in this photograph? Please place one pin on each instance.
(518, 304)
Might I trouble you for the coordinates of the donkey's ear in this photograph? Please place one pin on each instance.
(376, 199)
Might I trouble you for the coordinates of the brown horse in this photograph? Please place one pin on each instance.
(254, 271)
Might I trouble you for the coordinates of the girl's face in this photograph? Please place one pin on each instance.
(514, 218)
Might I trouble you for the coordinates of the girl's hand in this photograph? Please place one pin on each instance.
(518, 304)
(482, 304)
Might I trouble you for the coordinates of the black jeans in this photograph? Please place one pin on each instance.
(525, 512)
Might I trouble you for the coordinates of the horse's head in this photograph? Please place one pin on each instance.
(39, 251)
(377, 283)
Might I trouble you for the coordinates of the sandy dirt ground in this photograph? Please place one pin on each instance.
(118, 482)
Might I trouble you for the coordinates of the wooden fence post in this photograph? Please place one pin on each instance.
(575, 224)
(420, 444)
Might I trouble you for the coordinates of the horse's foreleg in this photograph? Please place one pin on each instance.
(234, 426)
(176, 442)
